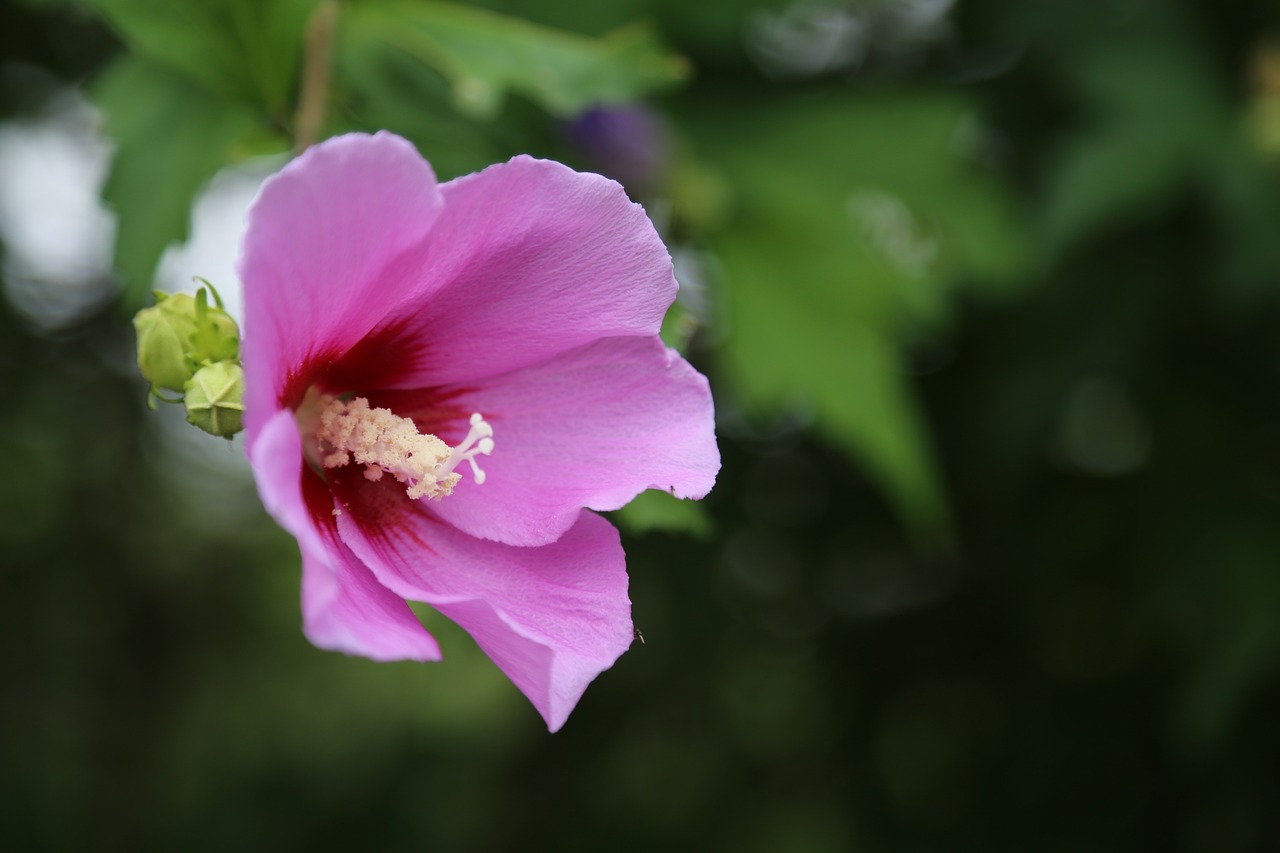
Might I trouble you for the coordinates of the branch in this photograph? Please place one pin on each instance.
(316, 68)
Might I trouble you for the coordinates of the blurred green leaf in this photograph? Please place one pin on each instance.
(170, 137)
(794, 346)
(1157, 119)
(856, 217)
(656, 510)
(241, 49)
(377, 89)
(1232, 649)
(484, 55)
(1246, 207)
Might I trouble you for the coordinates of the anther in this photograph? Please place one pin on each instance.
(386, 443)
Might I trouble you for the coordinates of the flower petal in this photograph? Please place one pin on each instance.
(344, 609)
(551, 618)
(275, 455)
(530, 259)
(330, 250)
(593, 427)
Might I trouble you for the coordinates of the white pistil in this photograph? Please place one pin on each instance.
(386, 443)
(478, 441)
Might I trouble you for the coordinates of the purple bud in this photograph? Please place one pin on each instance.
(628, 143)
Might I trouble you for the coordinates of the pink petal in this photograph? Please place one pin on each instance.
(344, 609)
(275, 455)
(331, 249)
(529, 259)
(592, 427)
(551, 618)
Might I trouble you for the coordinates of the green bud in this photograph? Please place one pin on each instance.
(179, 334)
(215, 398)
(162, 355)
(217, 336)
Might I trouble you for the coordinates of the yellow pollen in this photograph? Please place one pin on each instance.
(384, 443)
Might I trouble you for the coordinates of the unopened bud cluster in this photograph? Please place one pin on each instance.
(192, 348)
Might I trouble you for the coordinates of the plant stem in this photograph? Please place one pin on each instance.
(316, 68)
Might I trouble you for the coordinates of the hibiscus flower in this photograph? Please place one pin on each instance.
(442, 381)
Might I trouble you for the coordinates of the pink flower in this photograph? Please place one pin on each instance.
(441, 381)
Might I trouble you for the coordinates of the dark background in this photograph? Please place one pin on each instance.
(1055, 626)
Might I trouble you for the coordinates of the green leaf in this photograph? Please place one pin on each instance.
(170, 138)
(379, 89)
(792, 345)
(856, 218)
(655, 510)
(1157, 120)
(240, 49)
(485, 55)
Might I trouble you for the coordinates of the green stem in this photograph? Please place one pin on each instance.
(316, 69)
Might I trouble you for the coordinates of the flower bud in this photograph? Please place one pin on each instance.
(215, 398)
(626, 142)
(180, 333)
(161, 354)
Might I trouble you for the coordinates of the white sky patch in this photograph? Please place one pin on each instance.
(57, 233)
(211, 476)
(218, 220)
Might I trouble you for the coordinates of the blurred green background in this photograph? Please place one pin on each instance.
(989, 295)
